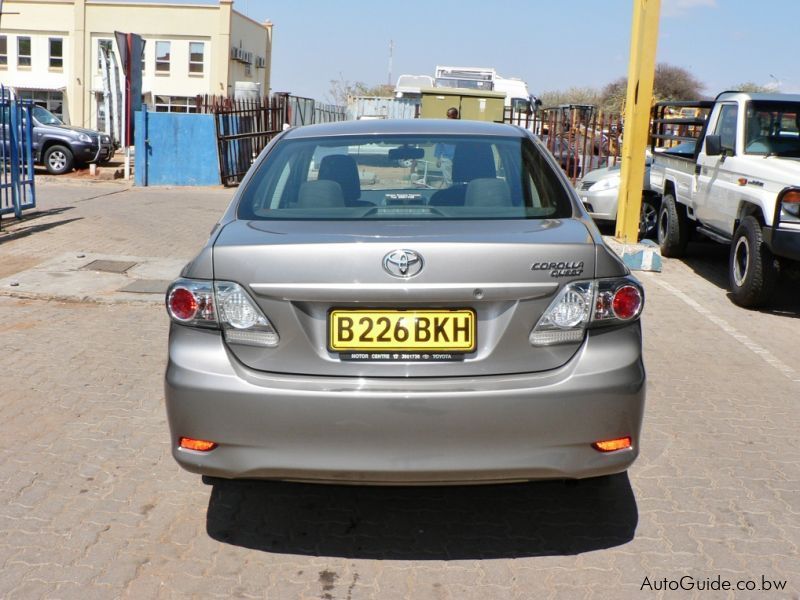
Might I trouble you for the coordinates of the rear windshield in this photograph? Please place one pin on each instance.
(405, 177)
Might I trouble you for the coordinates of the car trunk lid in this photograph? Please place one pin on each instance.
(504, 272)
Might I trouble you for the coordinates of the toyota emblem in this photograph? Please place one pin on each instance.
(402, 263)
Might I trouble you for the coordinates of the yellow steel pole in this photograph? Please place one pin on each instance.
(639, 98)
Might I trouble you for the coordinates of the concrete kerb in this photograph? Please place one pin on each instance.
(67, 278)
(644, 256)
(83, 177)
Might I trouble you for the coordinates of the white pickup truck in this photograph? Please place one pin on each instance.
(736, 181)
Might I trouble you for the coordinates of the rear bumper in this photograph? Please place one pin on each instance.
(405, 430)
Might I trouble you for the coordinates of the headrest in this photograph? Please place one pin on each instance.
(342, 169)
(487, 192)
(473, 161)
(320, 194)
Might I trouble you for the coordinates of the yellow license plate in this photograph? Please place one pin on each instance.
(401, 330)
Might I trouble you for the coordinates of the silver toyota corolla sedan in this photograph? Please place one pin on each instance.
(405, 302)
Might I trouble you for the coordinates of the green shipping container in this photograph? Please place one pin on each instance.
(474, 105)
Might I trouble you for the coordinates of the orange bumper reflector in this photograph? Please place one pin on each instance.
(612, 445)
(199, 445)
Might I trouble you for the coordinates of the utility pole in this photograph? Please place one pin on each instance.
(641, 72)
(391, 55)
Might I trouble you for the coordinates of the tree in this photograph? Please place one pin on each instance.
(670, 83)
(676, 83)
(752, 87)
(574, 95)
(342, 89)
(612, 98)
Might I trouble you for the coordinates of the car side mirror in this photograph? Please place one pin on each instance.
(713, 145)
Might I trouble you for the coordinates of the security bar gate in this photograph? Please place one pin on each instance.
(245, 126)
(17, 191)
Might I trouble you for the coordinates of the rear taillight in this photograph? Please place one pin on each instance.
(567, 316)
(183, 304)
(221, 304)
(618, 299)
(241, 318)
(191, 302)
(626, 302)
(585, 304)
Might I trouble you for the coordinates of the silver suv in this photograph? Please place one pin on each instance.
(353, 317)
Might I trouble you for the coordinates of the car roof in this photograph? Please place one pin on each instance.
(405, 126)
(769, 96)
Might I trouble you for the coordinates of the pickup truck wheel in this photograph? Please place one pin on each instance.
(648, 220)
(673, 228)
(58, 160)
(753, 271)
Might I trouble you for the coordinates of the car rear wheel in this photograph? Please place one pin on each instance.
(58, 160)
(673, 228)
(752, 268)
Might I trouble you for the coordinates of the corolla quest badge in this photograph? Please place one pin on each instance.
(402, 263)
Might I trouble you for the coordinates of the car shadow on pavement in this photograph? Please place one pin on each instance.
(710, 261)
(424, 523)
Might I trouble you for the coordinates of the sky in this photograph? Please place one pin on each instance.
(551, 44)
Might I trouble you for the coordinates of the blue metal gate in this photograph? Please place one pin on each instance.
(17, 191)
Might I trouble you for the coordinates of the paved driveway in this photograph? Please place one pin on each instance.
(92, 505)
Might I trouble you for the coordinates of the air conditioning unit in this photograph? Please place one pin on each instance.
(241, 55)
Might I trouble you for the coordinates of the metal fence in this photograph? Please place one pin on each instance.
(17, 190)
(328, 113)
(307, 111)
(579, 137)
(245, 127)
(381, 107)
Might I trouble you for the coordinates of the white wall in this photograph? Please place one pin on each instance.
(39, 74)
